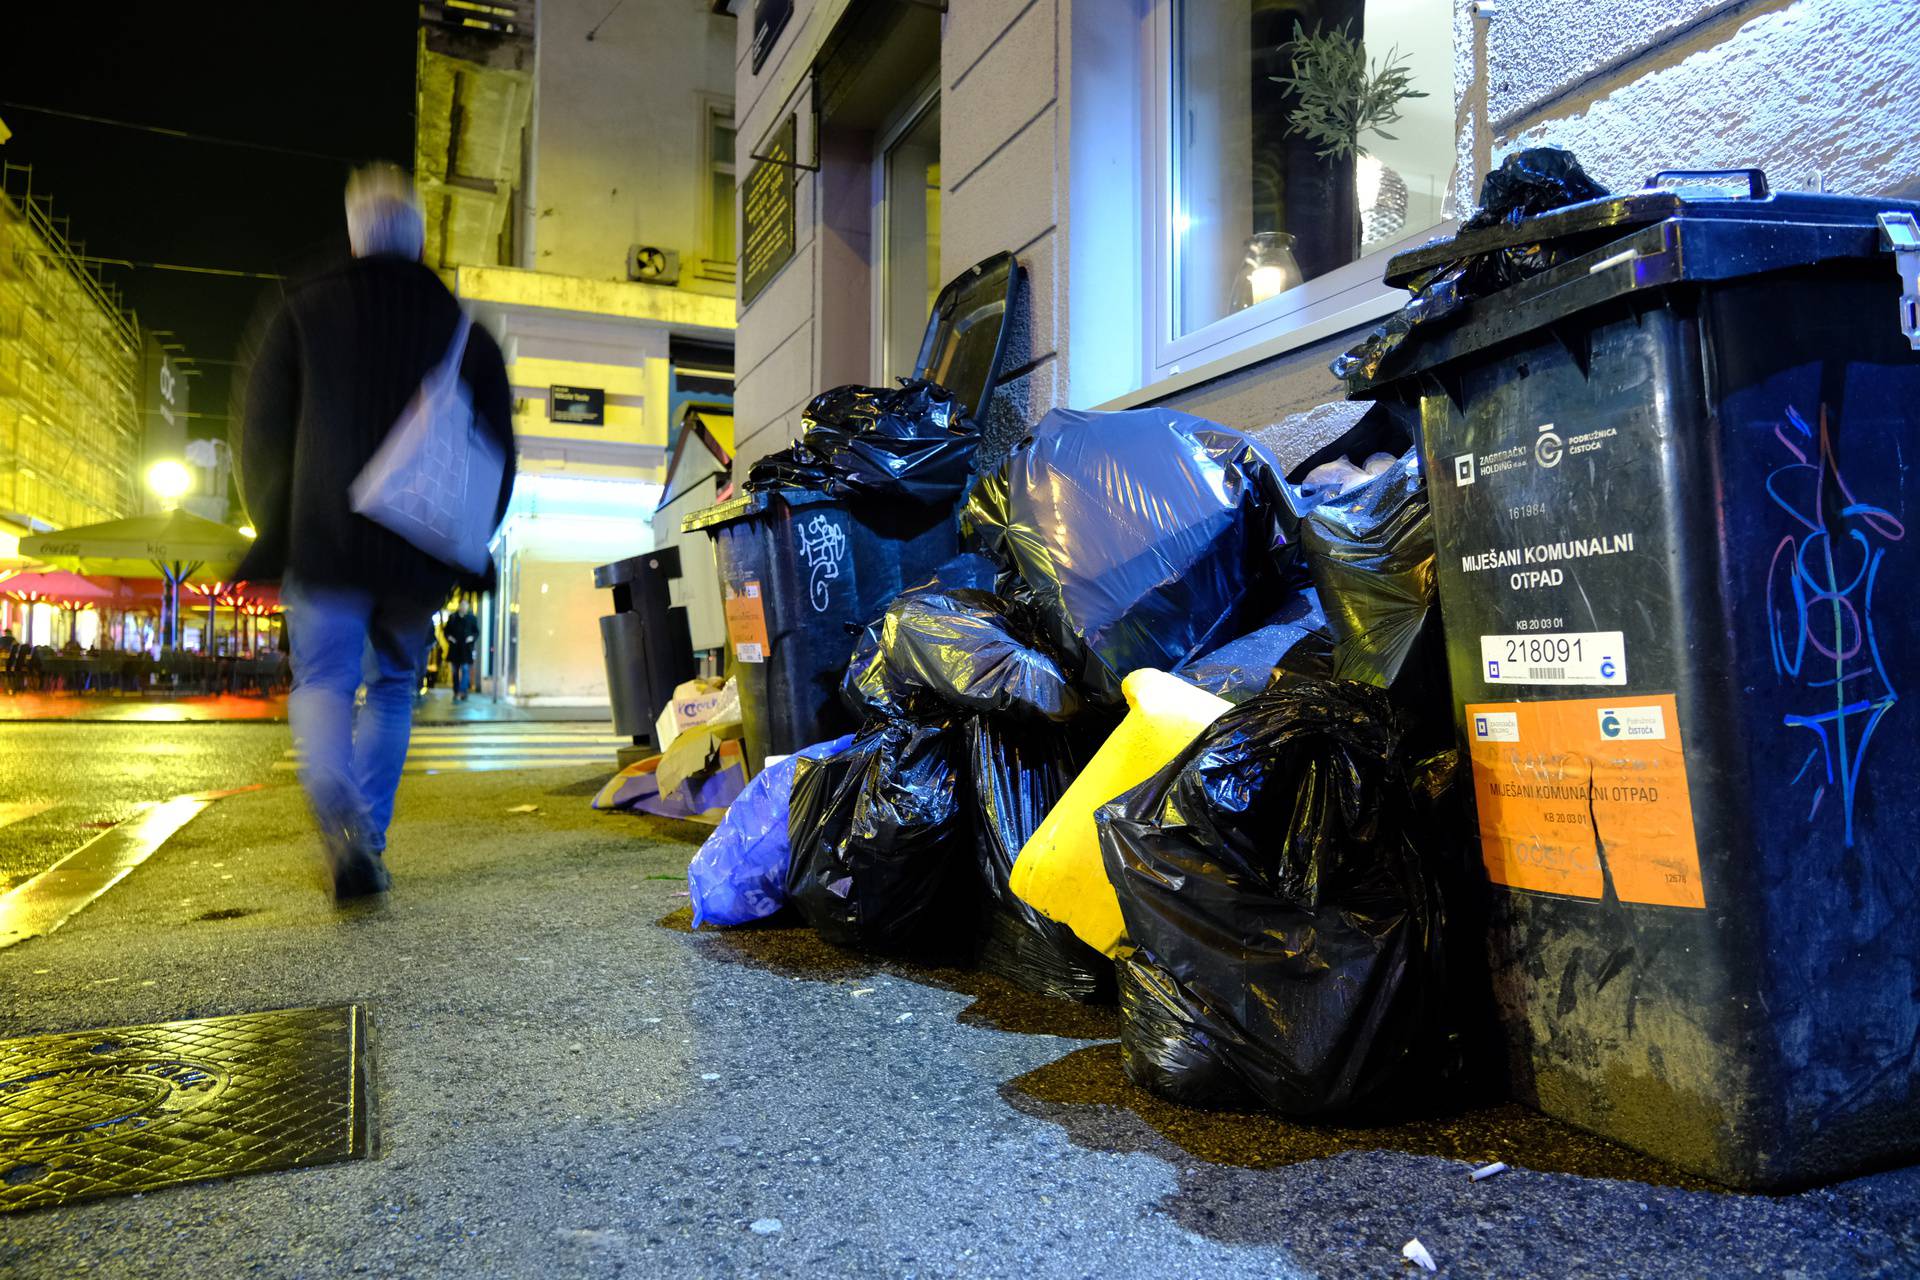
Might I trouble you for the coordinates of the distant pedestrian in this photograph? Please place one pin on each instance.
(341, 361)
(462, 631)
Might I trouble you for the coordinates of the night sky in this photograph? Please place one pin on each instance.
(334, 78)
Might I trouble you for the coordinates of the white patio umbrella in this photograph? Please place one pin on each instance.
(181, 546)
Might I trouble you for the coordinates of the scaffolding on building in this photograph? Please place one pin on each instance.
(69, 373)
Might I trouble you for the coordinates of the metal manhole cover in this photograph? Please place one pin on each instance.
(99, 1113)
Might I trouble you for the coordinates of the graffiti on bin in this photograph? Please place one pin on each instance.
(1820, 587)
(823, 545)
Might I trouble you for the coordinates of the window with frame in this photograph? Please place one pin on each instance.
(1299, 143)
(907, 191)
(718, 144)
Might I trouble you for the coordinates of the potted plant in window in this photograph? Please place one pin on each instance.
(1339, 96)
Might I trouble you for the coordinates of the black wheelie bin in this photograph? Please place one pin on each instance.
(1668, 481)
(801, 571)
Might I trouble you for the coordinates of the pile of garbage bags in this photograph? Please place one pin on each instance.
(1164, 733)
(906, 841)
(910, 443)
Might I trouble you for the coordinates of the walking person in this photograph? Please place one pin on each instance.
(340, 362)
(462, 631)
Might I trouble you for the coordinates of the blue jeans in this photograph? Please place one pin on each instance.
(340, 637)
(462, 676)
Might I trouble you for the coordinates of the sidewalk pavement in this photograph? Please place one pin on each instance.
(566, 1086)
(438, 707)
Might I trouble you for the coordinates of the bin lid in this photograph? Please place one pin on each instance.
(967, 332)
(1624, 244)
(665, 562)
(748, 505)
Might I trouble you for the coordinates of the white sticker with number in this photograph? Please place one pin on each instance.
(748, 653)
(1555, 657)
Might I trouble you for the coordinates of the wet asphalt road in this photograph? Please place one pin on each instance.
(92, 775)
(568, 1083)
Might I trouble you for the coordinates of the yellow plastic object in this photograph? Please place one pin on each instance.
(1059, 872)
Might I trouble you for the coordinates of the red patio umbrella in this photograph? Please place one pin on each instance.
(52, 586)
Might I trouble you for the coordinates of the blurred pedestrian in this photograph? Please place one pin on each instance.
(462, 631)
(340, 362)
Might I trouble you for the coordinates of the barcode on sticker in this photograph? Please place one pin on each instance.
(749, 653)
(1545, 674)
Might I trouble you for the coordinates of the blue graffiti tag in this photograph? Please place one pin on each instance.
(1820, 587)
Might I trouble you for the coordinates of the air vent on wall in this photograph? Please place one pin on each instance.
(653, 266)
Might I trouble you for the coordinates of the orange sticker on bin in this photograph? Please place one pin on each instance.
(746, 616)
(1571, 791)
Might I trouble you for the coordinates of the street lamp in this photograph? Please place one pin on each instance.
(169, 480)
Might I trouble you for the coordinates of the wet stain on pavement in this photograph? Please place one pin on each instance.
(228, 913)
(1088, 1094)
(795, 951)
(585, 787)
(1226, 1161)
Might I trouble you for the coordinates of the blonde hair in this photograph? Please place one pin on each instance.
(383, 213)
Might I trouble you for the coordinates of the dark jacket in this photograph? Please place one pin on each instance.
(463, 636)
(338, 364)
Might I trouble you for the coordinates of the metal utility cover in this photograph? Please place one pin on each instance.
(111, 1112)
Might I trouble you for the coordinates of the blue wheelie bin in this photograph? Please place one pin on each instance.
(801, 571)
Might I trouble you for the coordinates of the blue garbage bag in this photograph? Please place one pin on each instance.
(1145, 537)
(740, 873)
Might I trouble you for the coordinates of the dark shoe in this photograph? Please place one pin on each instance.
(358, 871)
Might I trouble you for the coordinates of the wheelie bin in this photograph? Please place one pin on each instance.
(1668, 482)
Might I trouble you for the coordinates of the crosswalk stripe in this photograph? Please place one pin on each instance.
(495, 748)
(477, 766)
(529, 739)
(21, 810)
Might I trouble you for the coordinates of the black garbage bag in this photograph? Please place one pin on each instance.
(1371, 552)
(1146, 536)
(964, 650)
(1164, 1050)
(1526, 184)
(882, 840)
(908, 443)
(1297, 640)
(1019, 772)
(864, 690)
(1271, 871)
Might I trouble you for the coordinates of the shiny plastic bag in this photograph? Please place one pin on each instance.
(962, 650)
(864, 690)
(1371, 553)
(1019, 772)
(740, 874)
(1296, 639)
(1165, 1051)
(906, 443)
(1527, 183)
(1271, 872)
(882, 840)
(1146, 536)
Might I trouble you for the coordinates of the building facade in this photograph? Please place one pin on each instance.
(577, 169)
(70, 378)
(1191, 238)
